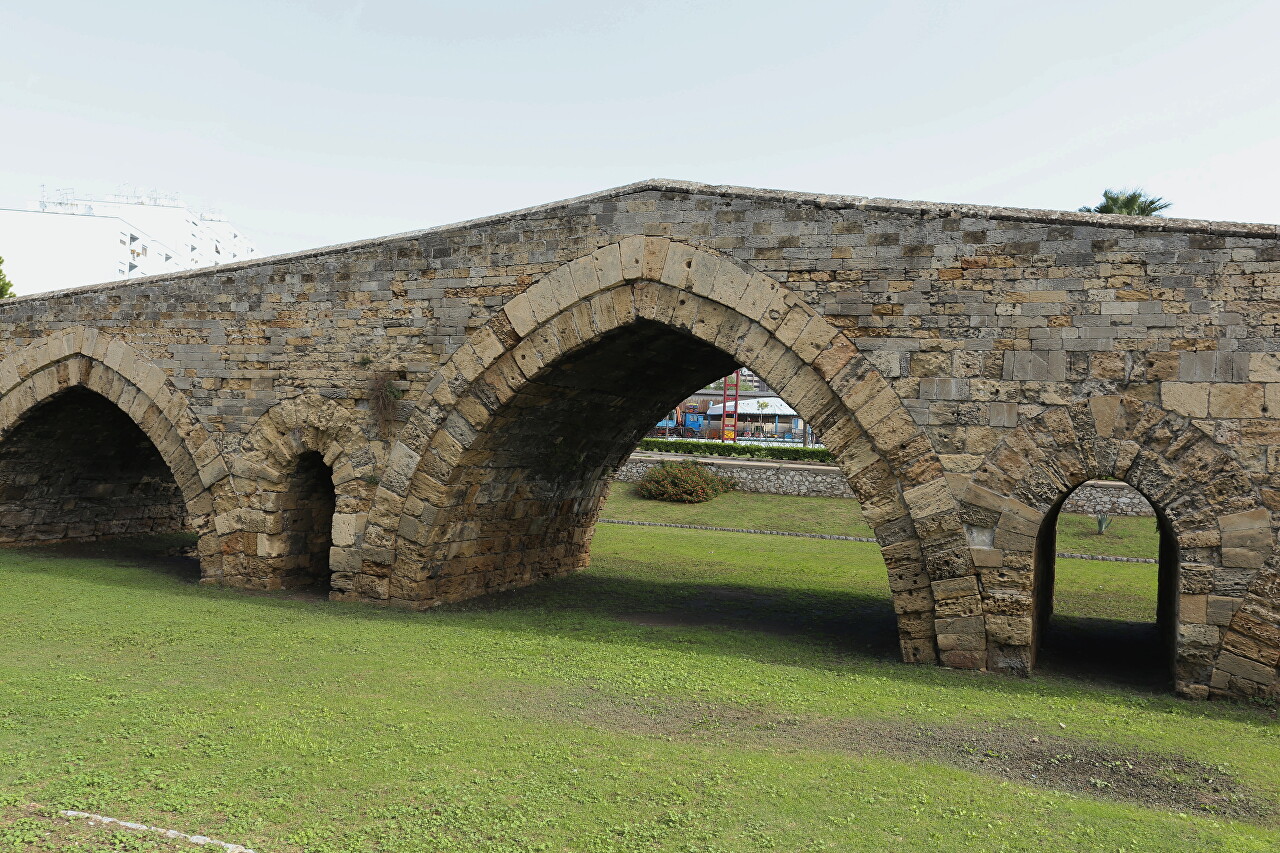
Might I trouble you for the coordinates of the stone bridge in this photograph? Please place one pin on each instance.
(436, 415)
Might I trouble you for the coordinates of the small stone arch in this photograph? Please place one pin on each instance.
(1222, 529)
(81, 357)
(725, 307)
(264, 550)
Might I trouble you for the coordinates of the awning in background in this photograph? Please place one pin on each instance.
(763, 406)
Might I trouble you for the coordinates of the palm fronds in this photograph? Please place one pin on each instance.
(1132, 202)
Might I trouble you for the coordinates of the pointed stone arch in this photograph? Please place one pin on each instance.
(727, 308)
(262, 546)
(81, 357)
(1223, 532)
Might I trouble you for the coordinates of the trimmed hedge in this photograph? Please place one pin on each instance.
(746, 451)
(682, 482)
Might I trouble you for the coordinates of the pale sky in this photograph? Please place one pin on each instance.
(318, 121)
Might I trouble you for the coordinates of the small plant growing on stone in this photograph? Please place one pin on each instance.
(383, 396)
(1104, 521)
(682, 482)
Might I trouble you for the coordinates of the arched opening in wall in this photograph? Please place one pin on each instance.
(1114, 616)
(522, 502)
(307, 506)
(76, 468)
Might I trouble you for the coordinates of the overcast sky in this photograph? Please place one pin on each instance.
(318, 121)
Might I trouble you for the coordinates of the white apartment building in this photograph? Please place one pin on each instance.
(72, 241)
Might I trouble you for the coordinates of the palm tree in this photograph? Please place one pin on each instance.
(1133, 202)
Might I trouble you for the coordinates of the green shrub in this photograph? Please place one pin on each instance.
(750, 451)
(682, 482)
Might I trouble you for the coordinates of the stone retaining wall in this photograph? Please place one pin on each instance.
(754, 475)
(1105, 496)
(776, 477)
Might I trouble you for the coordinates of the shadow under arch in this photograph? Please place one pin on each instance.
(497, 479)
(85, 359)
(304, 478)
(1217, 530)
(1126, 662)
(75, 468)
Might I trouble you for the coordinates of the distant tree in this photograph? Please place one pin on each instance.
(1129, 202)
(6, 286)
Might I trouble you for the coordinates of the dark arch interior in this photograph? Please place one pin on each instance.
(1125, 650)
(76, 468)
(526, 493)
(307, 507)
(593, 406)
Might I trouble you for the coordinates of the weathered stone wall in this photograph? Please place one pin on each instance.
(1103, 497)
(753, 475)
(972, 312)
(936, 347)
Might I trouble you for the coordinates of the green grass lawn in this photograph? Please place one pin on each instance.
(692, 691)
(744, 510)
(1077, 534)
(1128, 536)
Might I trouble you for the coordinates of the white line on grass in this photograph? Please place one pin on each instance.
(167, 833)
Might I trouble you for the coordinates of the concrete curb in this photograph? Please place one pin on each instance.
(739, 530)
(1105, 559)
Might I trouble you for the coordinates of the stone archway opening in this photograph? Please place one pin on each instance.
(1116, 619)
(524, 497)
(306, 511)
(526, 493)
(1214, 529)
(314, 472)
(76, 468)
(474, 500)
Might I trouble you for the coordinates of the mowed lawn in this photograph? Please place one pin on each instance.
(1078, 534)
(692, 691)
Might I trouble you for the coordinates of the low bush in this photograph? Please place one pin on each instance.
(749, 451)
(682, 482)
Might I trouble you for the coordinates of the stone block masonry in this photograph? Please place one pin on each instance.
(967, 366)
